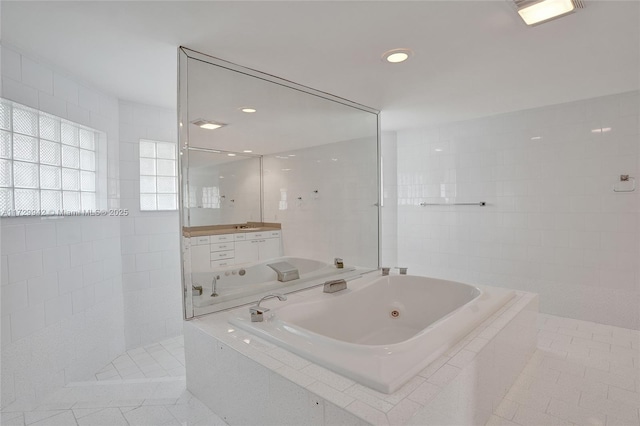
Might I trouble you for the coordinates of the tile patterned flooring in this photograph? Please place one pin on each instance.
(144, 386)
(582, 373)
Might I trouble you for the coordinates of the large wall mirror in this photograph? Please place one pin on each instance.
(276, 181)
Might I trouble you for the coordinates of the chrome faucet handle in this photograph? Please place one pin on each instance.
(333, 286)
(403, 270)
(385, 271)
(257, 312)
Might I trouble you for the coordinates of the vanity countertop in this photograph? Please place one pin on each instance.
(200, 231)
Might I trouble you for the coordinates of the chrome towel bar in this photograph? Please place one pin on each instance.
(481, 203)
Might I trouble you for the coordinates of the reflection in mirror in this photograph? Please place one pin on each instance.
(223, 188)
(271, 196)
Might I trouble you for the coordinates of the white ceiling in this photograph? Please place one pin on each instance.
(472, 59)
(286, 119)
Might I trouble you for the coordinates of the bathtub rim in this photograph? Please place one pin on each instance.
(325, 356)
(302, 332)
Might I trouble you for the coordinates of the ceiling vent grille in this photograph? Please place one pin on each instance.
(534, 12)
(579, 4)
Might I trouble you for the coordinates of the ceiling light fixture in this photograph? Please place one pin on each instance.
(231, 155)
(248, 110)
(207, 124)
(248, 151)
(538, 11)
(397, 55)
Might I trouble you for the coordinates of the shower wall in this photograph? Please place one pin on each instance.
(61, 277)
(338, 219)
(150, 240)
(552, 225)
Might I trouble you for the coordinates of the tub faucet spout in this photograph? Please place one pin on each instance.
(257, 312)
(332, 286)
(285, 271)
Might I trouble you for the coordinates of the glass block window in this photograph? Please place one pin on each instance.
(47, 164)
(211, 197)
(158, 176)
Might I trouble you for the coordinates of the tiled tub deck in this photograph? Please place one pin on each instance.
(247, 380)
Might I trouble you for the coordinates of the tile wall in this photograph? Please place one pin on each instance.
(61, 277)
(232, 191)
(149, 240)
(553, 224)
(389, 210)
(341, 218)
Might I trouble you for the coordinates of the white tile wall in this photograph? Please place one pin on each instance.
(389, 210)
(342, 220)
(61, 280)
(150, 240)
(552, 225)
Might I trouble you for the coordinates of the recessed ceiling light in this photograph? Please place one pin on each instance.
(248, 110)
(397, 55)
(247, 151)
(539, 11)
(438, 150)
(292, 155)
(536, 138)
(231, 155)
(207, 124)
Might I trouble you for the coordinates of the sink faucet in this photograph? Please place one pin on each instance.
(214, 285)
(332, 286)
(257, 312)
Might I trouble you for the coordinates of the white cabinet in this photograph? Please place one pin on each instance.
(258, 246)
(246, 251)
(269, 248)
(217, 251)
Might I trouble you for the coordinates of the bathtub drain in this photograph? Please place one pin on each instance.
(395, 314)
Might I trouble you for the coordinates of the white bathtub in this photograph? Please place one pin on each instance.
(356, 332)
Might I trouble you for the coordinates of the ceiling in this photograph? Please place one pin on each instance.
(472, 59)
(286, 119)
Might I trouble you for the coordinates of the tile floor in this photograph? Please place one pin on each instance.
(144, 386)
(582, 373)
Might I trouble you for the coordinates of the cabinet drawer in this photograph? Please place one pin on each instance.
(222, 246)
(221, 263)
(227, 254)
(239, 237)
(198, 241)
(262, 235)
(223, 238)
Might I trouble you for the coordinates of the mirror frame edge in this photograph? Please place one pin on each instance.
(184, 54)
